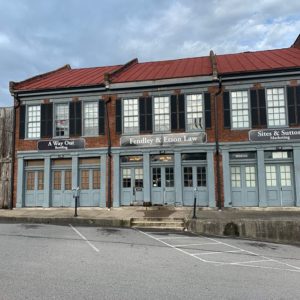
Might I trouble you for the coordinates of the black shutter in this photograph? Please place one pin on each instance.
(119, 116)
(47, 120)
(254, 108)
(22, 122)
(226, 107)
(101, 117)
(207, 107)
(148, 114)
(298, 103)
(75, 118)
(174, 120)
(262, 107)
(292, 110)
(145, 111)
(181, 112)
(143, 117)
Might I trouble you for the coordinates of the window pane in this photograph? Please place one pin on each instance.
(276, 107)
(271, 176)
(188, 176)
(96, 179)
(62, 119)
(126, 178)
(130, 116)
(156, 177)
(239, 109)
(139, 175)
(201, 176)
(40, 180)
(161, 114)
(84, 179)
(90, 111)
(68, 180)
(194, 115)
(169, 177)
(235, 177)
(34, 121)
(57, 180)
(250, 174)
(30, 181)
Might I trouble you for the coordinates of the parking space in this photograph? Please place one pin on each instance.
(219, 252)
(70, 262)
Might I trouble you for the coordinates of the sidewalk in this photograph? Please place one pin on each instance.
(265, 224)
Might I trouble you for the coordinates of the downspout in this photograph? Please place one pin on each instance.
(10, 204)
(217, 144)
(218, 78)
(108, 154)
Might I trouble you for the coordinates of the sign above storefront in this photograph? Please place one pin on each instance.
(164, 139)
(61, 144)
(269, 135)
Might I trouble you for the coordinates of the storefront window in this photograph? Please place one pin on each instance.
(30, 181)
(250, 176)
(170, 177)
(139, 175)
(271, 176)
(126, 175)
(236, 177)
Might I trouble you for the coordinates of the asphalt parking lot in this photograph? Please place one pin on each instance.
(68, 262)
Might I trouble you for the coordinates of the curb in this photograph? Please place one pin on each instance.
(276, 231)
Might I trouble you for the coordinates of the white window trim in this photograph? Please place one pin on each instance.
(285, 106)
(27, 121)
(153, 114)
(249, 109)
(138, 115)
(54, 119)
(83, 118)
(203, 113)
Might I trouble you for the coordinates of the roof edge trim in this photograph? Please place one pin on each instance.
(12, 84)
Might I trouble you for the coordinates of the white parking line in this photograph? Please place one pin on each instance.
(218, 263)
(84, 238)
(175, 237)
(218, 252)
(200, 244)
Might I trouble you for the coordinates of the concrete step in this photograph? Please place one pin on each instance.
(158, 223)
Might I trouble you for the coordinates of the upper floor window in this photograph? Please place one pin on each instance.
(194, 112)
(276, 107)
(91, 116)
(34, 121)
(161, 114)
(62, 119)
(130, 116)
(240, 109)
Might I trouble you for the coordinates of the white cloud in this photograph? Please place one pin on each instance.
(38, 36)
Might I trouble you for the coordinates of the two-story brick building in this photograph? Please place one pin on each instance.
(221, 128)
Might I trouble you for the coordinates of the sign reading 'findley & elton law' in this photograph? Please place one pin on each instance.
(164, 139)
(269, 135)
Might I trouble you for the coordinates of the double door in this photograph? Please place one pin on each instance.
(195, 185)
(162, 190)
(62, 195)
(244, 190)
(132, 185)
(280, 185)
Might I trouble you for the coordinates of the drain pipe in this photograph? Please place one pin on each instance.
(10, 204)
(108, 154)
(217, 143)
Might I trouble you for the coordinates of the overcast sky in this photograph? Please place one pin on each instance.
(37, 36)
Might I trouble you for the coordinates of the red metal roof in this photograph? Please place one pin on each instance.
(66, 77)
(187, 67)
(246, 62)
(258, 61)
